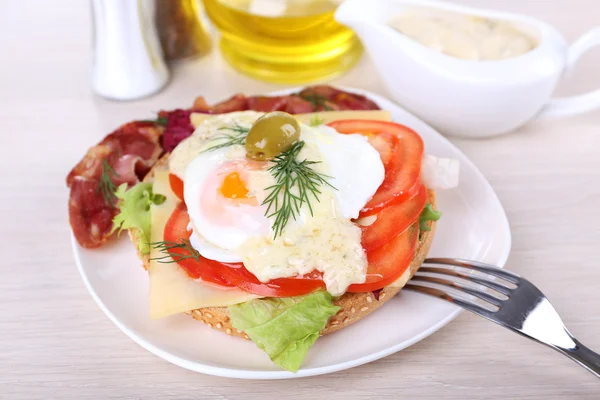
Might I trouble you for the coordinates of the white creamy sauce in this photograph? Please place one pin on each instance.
(463, 36)
(326, 240)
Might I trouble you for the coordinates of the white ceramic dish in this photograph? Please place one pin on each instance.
(473, 226)
(463, 97)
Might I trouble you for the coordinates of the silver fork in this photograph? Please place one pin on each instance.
(504, 298)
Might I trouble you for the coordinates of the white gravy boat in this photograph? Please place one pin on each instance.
(463, 97)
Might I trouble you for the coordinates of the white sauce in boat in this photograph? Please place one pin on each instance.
(463, 36)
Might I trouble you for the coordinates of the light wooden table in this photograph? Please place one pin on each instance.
(56, 343)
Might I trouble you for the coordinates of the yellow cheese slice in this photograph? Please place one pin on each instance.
(325, 116)
(172, 291)
(330, 116)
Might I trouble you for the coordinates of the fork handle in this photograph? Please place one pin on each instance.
(584, 357)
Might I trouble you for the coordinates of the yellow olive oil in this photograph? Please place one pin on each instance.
(286, 41)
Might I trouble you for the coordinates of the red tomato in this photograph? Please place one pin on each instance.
(233, 274)
(175, 230)
(281, 287)
(387, 144)
(388, 262)
(393, 220)
(176, 185)
(402, 171)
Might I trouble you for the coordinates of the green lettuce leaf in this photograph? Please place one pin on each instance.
(428, 214)
(134, 205)
(285, 328)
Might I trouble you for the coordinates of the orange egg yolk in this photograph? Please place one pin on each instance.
(233, 187)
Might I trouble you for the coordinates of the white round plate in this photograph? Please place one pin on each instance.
(474, 226)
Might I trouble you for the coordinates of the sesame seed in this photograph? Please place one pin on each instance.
(369, 299)
(334, 322)
(364, 308)
(208, 315)
(382, 295)
(353, 310)
(238, 331)
(346, 320)
(209, 324)
(201, 320)
(197, 312)
(246, 337)
(228, 331)
(219, 325)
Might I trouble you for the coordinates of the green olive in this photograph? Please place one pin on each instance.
(271, 135)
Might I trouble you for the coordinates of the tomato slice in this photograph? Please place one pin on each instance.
(176, 185)
(233, 274)
(388, 262)
(386, 144)
(403, 169)
(205, 269)
(281, 287)
(393, 220)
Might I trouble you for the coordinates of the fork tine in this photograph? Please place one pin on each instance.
(483, 282)
(449, 298)
(460, 287)
(477, 266)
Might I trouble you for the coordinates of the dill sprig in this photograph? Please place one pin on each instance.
(106, 186)
(316, 120)
(229, 139)
(317, 101)
(295, 184)
(184, 251)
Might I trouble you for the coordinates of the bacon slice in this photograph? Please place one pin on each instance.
(130, 151)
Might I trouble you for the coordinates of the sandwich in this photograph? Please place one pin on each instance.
(278, 227)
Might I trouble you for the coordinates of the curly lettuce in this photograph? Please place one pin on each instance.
(134, 212)
(428, 214)
(285, 328)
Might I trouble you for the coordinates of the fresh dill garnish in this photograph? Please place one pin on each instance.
(229, 139)
(184, 251)
(106, 186)
(317, 101)
(316, 120)
(295, 183)
(236, 128)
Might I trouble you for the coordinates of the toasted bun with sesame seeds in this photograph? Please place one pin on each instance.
(354, 306)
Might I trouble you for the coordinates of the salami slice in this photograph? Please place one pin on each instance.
(124, 156)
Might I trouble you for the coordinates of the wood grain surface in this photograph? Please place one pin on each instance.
(56, 344)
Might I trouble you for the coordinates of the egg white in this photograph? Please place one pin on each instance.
(353, 165)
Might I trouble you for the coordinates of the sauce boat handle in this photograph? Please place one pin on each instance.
(579, 104)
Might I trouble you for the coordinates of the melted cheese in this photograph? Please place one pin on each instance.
(321, 240)
(172, 291)
(402, 280)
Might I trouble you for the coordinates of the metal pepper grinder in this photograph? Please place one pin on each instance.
(128, 61)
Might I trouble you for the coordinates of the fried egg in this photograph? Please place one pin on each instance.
(224, 193)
